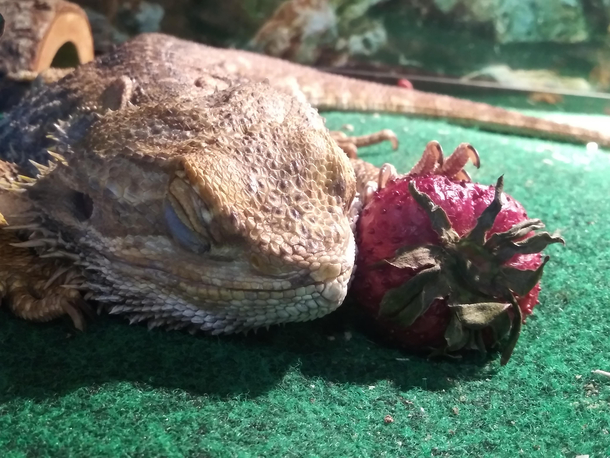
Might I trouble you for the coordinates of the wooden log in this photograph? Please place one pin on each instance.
(39, 34)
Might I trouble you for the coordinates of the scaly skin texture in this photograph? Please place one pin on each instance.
(191, 199)
(190, 191)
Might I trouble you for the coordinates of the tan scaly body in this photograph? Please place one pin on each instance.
(196, 187)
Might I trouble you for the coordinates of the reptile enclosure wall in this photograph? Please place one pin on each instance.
(324, 389)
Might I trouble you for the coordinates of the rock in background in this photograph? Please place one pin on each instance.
(523, 21)
(440, 37)
(316, 31)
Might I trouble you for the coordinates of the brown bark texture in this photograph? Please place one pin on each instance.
(36, 29)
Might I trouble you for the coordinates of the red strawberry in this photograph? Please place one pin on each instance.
(448, 265)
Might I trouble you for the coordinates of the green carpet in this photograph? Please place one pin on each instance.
(323, 388)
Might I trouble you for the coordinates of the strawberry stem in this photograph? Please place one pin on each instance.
(486, 221)
(439, 219)
(470, 273)
(515, 331)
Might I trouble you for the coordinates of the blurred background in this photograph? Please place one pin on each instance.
(527, 53)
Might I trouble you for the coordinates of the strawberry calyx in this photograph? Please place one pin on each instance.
(469, 272)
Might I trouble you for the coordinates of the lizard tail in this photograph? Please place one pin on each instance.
(335, 92)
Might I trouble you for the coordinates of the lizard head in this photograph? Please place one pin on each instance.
(222, 213)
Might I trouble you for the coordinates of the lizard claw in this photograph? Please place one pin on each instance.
(39, 289)
(387, 172)
(369, 191)
(431, 160)
(350, 145)
(364, 196)
(28, 299)
(462, 175)
(454, 164)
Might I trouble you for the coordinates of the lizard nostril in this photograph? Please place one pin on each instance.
(326, 272)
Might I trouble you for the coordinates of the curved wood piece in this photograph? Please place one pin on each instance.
(36, 30)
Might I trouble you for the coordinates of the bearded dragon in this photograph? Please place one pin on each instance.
(198, 188)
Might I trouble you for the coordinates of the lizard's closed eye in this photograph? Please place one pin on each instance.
(187, 217)
(182, 233)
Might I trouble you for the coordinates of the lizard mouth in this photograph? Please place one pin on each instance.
(165, 299)
(217, 297)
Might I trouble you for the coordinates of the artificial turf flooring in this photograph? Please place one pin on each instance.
(323, 388)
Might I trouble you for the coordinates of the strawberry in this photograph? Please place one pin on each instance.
(446, 264)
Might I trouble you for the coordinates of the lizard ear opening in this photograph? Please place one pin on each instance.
(53, 198)
(82, 206)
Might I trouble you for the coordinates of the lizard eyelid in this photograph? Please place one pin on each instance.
(182, 233)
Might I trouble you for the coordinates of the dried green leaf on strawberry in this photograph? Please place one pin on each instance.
(445, 264)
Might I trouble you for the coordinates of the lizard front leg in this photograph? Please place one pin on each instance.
(370, 178)
(365, 171)
(32, 287)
